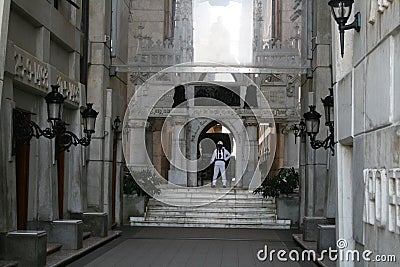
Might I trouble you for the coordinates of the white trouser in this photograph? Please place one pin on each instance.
(219, 167)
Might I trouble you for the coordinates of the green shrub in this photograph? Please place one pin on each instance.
(284, 183)
(146, 178)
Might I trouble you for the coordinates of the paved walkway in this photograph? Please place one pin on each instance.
(175, 247)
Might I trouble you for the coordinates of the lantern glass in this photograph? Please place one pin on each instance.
(328, 114)
(117, 123)
(312, 126)
(54, 111)
(302, 125)
(341, 10)
(312, 119)
(296, 130)
(89, 116)
(89, 124)
(55, 102)
(328, 106)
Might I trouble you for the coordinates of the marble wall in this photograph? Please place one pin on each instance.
(38, 40)
(367, 117)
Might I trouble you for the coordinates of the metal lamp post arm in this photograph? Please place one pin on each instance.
(329, 141)
(71, 139)
(25, 129)
(37, 132)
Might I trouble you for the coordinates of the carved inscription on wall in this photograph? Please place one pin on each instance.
(276, 96)
(382, 198)
(31, 71)
(68, 88)
(35, 73)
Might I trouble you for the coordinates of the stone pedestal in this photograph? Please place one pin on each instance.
(289, 208)
(69, 233)
(326, 237)
(96, 223)
(133, 206)
(27, 247)
(310, 227)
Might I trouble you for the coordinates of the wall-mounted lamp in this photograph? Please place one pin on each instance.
(116, 124)
(25, 129)
(341, 10)
(312, 121)
(299, 129)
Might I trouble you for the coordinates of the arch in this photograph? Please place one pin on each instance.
(236, 133)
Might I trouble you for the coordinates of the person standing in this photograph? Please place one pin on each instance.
(219, 158)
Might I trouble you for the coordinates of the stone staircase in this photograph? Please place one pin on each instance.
(193, 207)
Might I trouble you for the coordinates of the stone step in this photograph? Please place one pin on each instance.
(267, 220)
(211, 196)
(7, 263)
(86, 235)
(206, 201)
(212, 208)
(265, 214)
(208, 188)
(52, 248)
(242, 210)
(278, 224)
(195, 218)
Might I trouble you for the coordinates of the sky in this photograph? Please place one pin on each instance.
(219, 34)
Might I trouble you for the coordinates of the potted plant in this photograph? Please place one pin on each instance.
(283, 188)
(135, 198)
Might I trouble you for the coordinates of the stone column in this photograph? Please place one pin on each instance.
(7, 222)
(291, 150)
(158, 152)
(279, 151)
(191, 143)
(8, 193)
(192, 151)
(251, 125)
(137, 147)
(302, 173)
(345, 198)
(98, 80)
(75, 187)
(4, 18)
(47, 175)
(177, 174)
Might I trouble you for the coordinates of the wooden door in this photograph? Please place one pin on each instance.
(22, 150)
(60, 173)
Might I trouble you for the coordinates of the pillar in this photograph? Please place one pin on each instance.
(158, 152)
(137, 147)
(251, 145)
(302, 174)
(177, 174)
(291, 150)
(4, 18)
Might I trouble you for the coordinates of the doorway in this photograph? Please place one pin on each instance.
(22, 151)
(214, 133)
(60, 176)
